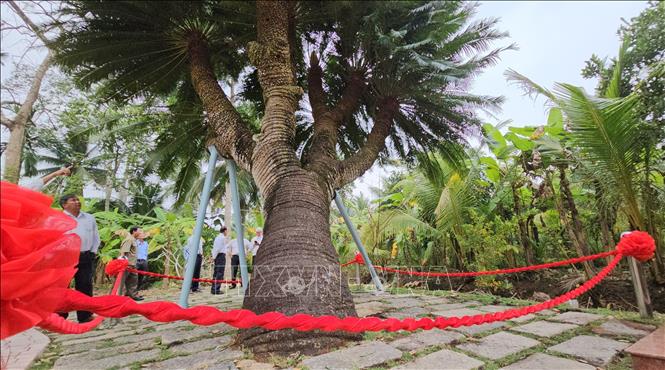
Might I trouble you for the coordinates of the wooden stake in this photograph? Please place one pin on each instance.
(641, 289)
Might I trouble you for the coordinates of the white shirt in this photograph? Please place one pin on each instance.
(233, 245)
(219, 245)
(185, 251)
(86, 229)
(32, 183)
(256, 243)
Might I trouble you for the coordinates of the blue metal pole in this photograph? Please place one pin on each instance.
(237, 220)
(193, 247)
(359, 243)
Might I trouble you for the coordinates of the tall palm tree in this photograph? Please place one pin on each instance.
(607, 133)
(382, 77)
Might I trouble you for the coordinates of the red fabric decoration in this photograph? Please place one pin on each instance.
(36, 254)
(637, 244)
(116, 306)
(116, 266)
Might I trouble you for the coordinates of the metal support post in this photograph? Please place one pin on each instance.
(193, 246)
(359, 244)
(237, 220)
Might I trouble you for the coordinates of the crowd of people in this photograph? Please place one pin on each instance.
(134, 248)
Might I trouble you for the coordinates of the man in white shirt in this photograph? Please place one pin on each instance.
(256, 241)
(86, 229)
(199, 260)
(235, 259)
(219, 250)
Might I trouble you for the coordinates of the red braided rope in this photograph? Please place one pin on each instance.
(212, 281)
(492, 272)
(55, 321)
(115, 306)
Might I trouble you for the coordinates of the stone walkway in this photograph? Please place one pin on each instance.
(549, 340)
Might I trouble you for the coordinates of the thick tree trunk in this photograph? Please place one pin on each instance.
(296, 269)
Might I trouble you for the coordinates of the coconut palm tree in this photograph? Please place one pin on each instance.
(607, 133)
(381, 78)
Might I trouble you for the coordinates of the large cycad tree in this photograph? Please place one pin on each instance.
(381, 76)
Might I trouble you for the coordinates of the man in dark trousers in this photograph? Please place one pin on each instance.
(86, 229)
(199, 260)
(219, 250)
(128, 252)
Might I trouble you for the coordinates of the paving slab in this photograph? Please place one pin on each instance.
(112, 361)
(356, 357)
(431, 299)
(178, 336)
(402, 313)
(543, 361)
(524, 318)
(457, 312)
(427, 338)
(623, 327)
(493, 308)
(73, 340)
(448, 306)
(499, 345)
(477, 329)
(81, 359)
(202, 360)
(202, 345)
(248, 364)
(596, 350)
(544, 328)
(546, 313)
(371, 308)
(20, 350)
(443, 359)
(404, 302)
(572, 317)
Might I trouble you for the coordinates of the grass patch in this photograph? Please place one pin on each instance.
(47, 359)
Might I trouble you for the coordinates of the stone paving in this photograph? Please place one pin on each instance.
(547, 340)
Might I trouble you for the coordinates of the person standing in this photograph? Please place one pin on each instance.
(128, 251)
(141, 258)
(219, 250)
(199, 260)
(86, 229)
(256, 242)
(235, 259)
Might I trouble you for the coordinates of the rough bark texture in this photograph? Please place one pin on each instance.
(296, 269)
(231, 137)
(18, 124)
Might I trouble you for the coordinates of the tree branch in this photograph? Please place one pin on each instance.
(350, 99)
(317, 98)
(6, 122)
(29, 22)
(232, 136)
(354, 166)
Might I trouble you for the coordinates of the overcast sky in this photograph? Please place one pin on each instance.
(554, 40)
